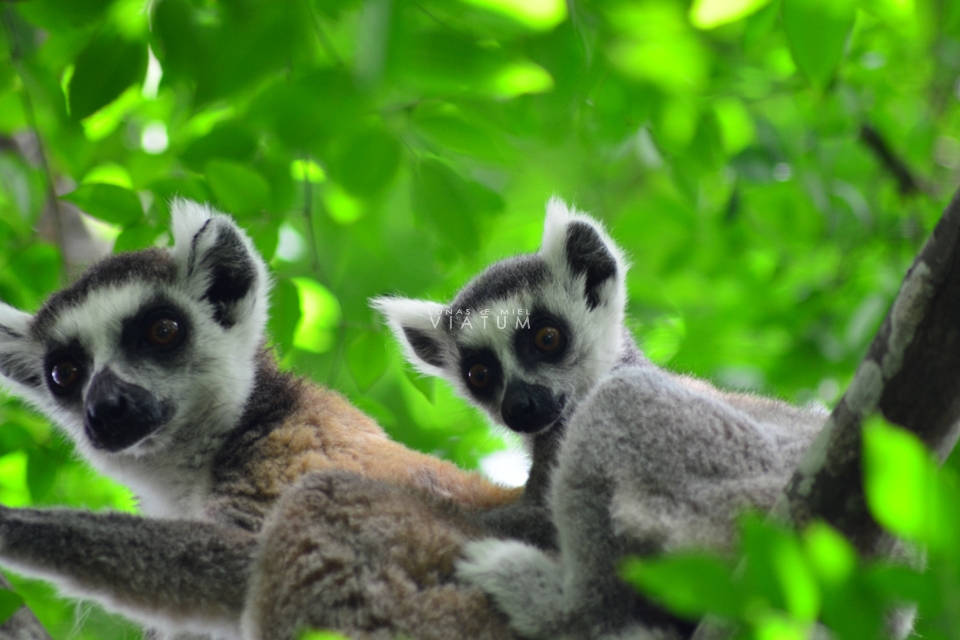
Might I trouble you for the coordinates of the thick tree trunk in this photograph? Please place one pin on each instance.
(910, 376)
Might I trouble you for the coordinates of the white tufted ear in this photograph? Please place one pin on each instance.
(418, 327)
(579, 244)
(219, 264)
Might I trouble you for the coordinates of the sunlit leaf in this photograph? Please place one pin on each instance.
(307, 170)
(658, 45)
(520, 78)
(541, 15)
(901, 484)
(319, 316)
(707, 14)
(831, 556)
(321, 635)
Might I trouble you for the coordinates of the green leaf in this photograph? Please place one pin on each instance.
(239, 189)
(228, 141)
(108, 202)
(832, 557)
(689, 584)
(902, 486)
(777, 568)
(365, 162)
(367, 358)
(10, 602)
(321, 635)
(136, 237)
(319, 316)
(103, 70)
(424, 384)
(817, 32)
(63, 15)
(450, 204)
(707, 14)
(540, 15)
(42, 465)
(38, 267)
(284, 314)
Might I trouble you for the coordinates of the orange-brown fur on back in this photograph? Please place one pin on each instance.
(327, 432)
(369, 559)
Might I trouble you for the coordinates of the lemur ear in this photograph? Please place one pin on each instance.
(580, 245)
(20, 355)
(219, 263)
(418, 327)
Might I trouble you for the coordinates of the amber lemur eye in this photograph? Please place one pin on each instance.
(65, 375)
(480, 376)
(548, 339)
(163, 332)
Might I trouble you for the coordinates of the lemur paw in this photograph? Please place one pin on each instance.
(524, 582)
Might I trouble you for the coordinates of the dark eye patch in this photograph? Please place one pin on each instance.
(66, 368)
(544, 341)
(158, 331)
(481, 372)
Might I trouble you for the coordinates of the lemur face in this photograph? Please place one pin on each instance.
(146, 349)
(527, 338)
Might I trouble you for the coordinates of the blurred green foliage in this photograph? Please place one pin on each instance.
(771, 166)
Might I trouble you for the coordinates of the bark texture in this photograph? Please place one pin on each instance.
(910, 376)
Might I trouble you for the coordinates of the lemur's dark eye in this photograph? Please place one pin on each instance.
(65, 375)
(163, 332)
(548, 339)
(480, 376)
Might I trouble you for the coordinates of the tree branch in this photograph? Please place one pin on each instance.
(910, 376)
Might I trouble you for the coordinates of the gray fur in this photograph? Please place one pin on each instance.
(640, 460)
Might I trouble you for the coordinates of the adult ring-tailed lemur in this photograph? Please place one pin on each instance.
(269, 504)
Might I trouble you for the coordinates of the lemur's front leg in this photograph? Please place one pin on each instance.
(177, 575)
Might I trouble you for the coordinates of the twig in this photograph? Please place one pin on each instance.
(906, 182)
(31, 117)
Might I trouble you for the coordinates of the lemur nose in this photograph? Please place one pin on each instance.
(118, 414)
(107, 409)
(529, 408)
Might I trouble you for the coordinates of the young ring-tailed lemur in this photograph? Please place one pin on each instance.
(628, 458)
(154, 364)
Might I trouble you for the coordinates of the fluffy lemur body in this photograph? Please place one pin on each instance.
(270, 504)
(627, 457)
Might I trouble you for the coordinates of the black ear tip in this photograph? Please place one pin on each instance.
(588, 253)
(425, 346)
(233, 272)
